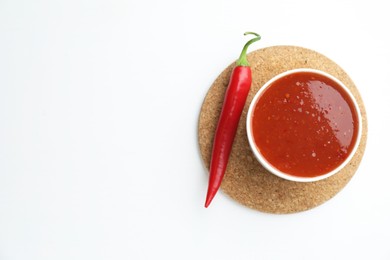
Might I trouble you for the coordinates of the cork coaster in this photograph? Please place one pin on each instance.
(246, 181)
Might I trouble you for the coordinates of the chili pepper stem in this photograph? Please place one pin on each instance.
(242, 61)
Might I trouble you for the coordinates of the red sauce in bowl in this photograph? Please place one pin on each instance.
(305, 124)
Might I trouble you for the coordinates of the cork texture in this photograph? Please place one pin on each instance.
(245, 180)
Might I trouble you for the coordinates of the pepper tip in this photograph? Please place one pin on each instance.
(209, 198)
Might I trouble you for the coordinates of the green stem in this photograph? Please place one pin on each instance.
(242, 61)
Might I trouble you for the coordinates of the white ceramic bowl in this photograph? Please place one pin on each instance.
(271, 168)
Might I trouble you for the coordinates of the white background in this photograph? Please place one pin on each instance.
(99, 102)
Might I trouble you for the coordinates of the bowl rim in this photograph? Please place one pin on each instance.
(268, 166)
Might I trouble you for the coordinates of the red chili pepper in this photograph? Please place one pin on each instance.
(235, 97)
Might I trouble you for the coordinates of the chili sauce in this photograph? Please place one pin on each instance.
(305, 124)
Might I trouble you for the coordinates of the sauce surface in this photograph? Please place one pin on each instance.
(305, 124)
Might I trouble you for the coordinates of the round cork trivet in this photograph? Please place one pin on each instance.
(245, 180)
